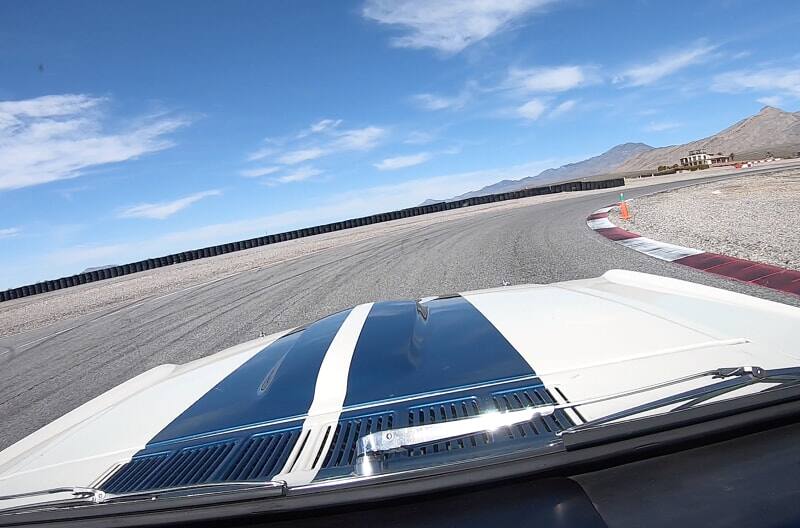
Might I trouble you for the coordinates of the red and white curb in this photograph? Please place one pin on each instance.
(766, 275)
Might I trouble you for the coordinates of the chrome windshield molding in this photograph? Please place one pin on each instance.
(212, 492)
(267, 488)
(49, 497)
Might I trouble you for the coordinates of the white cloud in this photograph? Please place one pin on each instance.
(532, 110)
(667, 64)
(323, 138)
(57, 137)
(325, 124)
(261, 153)
(434, 102)
(50, 105)
(162, 210)
(358, 139)
(299, 156)
(563, 108)
(556, 79)
(448, 26)
(259, 171)
(419, 137)
(661, 126)
(772, 100)
(9, 232)
(783, 80)
(401, 162)
(298, 175)
(319, 127)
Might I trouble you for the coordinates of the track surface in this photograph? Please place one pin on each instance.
(47, 372)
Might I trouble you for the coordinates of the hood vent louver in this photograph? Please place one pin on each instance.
(261, 457)
(443, 412)
(342, 451)
(189, 466)
(130, 476)
(514, 399)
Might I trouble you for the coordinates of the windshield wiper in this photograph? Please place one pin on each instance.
(196, 493)
(372, 448)
(745, 375)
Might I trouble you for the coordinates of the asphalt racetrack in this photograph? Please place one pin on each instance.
(49, 371)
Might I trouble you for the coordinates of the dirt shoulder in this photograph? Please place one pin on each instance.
(753, 217)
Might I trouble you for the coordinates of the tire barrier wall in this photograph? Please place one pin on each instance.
(212, 251)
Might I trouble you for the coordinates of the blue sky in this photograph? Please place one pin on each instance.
(134, 129)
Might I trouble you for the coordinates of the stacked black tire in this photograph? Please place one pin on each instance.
(212, 251)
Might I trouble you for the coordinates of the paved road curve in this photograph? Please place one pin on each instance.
(47, 372)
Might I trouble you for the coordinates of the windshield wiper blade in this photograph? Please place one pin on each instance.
(694, 397)
(372, 447)
(776, 402)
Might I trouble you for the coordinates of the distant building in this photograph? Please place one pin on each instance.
(719, 158)
(700, 157)
(696, 158)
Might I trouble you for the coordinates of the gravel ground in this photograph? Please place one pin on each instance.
(753, 217)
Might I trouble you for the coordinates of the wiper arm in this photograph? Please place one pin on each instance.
(727, 372)
(373, 446)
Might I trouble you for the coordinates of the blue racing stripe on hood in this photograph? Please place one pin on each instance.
(410, 348)
(277, 382)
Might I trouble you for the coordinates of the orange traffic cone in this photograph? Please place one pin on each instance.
(623, 208)
(623, 211)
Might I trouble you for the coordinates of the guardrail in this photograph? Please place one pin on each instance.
(212, 251)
